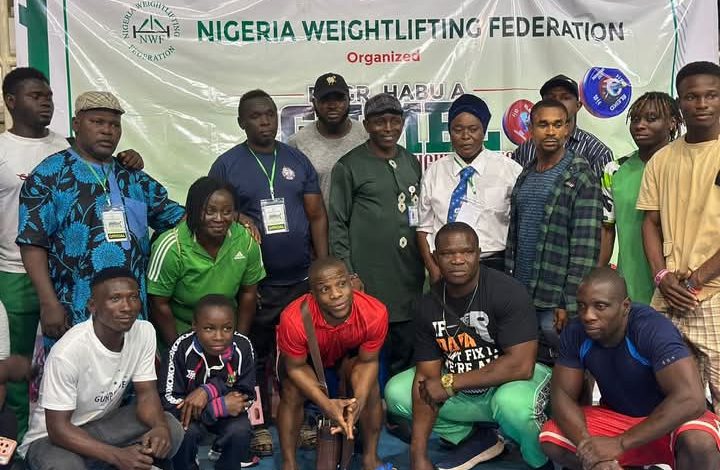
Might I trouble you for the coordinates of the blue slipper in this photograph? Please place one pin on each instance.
(386, 466)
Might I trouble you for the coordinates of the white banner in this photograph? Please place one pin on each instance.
(180, 66)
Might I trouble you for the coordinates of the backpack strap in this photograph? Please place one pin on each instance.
(313, 345)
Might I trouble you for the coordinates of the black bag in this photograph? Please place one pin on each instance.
(334, 451)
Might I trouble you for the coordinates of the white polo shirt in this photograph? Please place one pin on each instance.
(488, 196)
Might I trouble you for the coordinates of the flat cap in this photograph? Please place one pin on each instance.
(383, 103)
(98, 100)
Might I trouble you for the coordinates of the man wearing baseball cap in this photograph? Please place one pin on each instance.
(565, 90)
(333, 134)
(81, 211)
(374, 197)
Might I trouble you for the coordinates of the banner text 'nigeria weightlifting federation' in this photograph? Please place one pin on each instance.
(180, 66)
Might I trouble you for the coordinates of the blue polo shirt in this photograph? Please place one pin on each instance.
(625, 374)
(286, 255)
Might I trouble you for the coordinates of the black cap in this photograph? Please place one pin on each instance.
(330, 83)
(561, 80)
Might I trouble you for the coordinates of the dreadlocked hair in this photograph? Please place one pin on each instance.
(666, 106)
(197, 199)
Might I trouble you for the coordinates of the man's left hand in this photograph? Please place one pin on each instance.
(192, 406)
(693, 283)
(131, 160)
(597, 449)
(560, 320)
(607, 465)
(157, 440)
(249, 224)
(432, 392)
(352, 413)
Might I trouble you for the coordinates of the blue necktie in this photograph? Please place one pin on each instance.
(459, 193)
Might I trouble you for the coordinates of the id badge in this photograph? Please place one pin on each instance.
(470, 212)
(115, 225)
(413, 215)
(273, 215)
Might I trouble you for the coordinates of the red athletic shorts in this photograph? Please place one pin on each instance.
(604, 422)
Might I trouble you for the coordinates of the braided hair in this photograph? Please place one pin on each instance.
(197, 199)
(666, 106)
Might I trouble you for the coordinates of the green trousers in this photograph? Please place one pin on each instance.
(517, 407)
(23, 310)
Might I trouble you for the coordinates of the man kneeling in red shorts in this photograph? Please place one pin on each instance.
(652, 409)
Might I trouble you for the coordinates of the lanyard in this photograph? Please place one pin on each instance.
(270, 177)
(103, 183)
(470, 181)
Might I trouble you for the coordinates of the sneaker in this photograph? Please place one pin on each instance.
(214, 454)
(253, 461)
(480, 447)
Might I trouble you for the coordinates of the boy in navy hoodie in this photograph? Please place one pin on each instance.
(208, 383)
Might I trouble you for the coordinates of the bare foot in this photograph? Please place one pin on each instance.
(371, 462)
(293, 465)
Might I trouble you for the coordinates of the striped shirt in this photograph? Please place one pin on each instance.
(581, 142)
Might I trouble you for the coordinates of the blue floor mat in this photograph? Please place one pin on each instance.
(391, 450)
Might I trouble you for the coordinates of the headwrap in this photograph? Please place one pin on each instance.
(470, 104)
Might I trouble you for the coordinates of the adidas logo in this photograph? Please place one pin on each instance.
(239, 256)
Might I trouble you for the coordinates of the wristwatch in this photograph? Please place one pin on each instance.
(447, 383)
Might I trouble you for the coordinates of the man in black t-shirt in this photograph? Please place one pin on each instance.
(475, 350)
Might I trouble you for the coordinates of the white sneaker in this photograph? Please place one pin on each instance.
(214, 455)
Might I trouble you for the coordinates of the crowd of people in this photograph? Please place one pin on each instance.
(474, 300)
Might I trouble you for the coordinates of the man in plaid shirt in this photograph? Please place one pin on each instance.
(555, 218)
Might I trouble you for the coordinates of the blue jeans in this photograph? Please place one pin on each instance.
(549, 338)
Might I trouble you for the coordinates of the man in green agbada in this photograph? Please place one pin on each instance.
(374, 193)
(655, 120)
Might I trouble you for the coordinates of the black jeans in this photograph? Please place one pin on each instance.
(399, 347)
(8, 428)
(273, 300)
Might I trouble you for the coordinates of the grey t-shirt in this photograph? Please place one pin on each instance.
(324, 152)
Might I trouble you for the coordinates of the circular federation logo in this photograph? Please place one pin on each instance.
(148, 29)
(605, 91)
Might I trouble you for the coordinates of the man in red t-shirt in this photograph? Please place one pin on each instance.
(350, 327)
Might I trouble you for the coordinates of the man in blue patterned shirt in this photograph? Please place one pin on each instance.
(80, 212)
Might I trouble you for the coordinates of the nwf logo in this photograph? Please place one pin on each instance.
(151, 31)
(149, 28)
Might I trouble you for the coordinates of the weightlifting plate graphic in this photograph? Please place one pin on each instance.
(605, 92)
